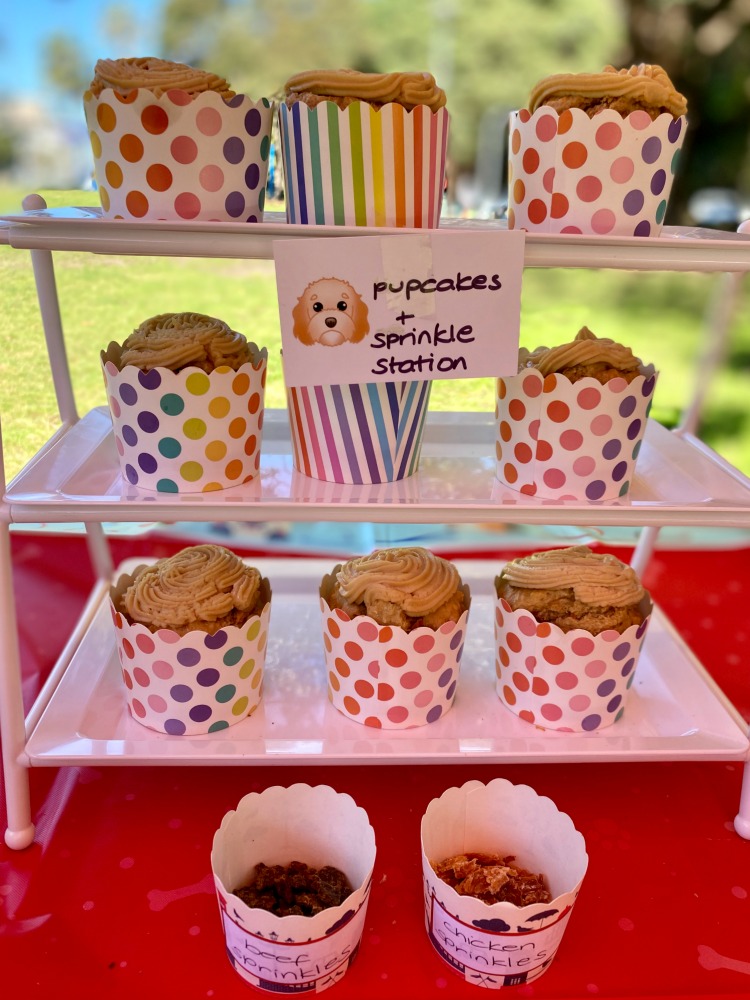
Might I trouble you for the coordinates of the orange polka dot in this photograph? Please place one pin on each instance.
(539, 686)
(574, 155)
(254, 402)
(529, 489)
(137, 203)
(159, 177)
(333, 627)
(511, 219)
(559, 206)
(373, 722)
(509, 695)
(396, 657)
(128, 98)
(509, 473)
(353, 650)
(505, 432)
(154, 119)
(131, 148)
(537, 211)
(543, 451)
(342, 667)
(558, 411)
(530, 161)
(519, 191)
(334, 681)
(543, 630)
(96, 145)
(234, 469)
(385, 692)
(523, 453)
(550, 382)
(501, 388)
(364, 689)
(498, 451)
(521, 681)
(237, 427)
(241, 384)
(514, 643)
(113, 173)
(503, 654)
(498, 670)
(515, 141)
(516, 409)
(565, 122)
(526, 715)
(553, 655)
(386, 634)
(104, 197)
(106, 117)
(327, 643)
(351, 706)
(250, 445)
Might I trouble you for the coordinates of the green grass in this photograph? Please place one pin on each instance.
(102, 298)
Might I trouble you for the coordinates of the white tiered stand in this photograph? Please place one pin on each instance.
(676, 711)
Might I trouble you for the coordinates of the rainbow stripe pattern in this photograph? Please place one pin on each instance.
(363, 167)
(369, 433)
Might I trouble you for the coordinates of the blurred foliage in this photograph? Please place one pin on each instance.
(65, 66)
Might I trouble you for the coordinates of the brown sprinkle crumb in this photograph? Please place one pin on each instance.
(492, 878)
(294, 889)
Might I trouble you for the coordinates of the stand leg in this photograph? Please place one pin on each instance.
(99, 551)
(742, 819)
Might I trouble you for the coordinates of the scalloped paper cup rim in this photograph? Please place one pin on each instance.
(315, 825)
(162, 670)
(500, 944)
(384, 677)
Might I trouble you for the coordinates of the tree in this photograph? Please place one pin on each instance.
(64, 64)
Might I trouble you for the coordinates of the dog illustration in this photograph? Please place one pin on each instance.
(330, 312)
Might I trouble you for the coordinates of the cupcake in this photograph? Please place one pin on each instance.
(394, 624)
(293, 871)
(191, 635)
(569, 626)
(363, 149)
(186, 395)
(570, 424)
(171, 142)
(596, 153)
(473, 840)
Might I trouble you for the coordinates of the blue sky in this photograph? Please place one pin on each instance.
(24, 24)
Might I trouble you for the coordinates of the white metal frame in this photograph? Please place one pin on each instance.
(678, 250)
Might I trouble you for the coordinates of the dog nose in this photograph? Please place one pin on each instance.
(330, 321)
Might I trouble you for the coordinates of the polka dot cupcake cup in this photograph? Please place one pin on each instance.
(386, 677)
(574, 681)
(193, 684)
(188, 431)
(566, 440)
(500, 944)
(180, 158)
(315, 825)
(605, 176)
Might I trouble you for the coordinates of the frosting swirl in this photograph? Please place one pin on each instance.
(156, 75)
(180, 340)
(644, 83)
(408, 89)
(585, 349)
(417, 580)
(595, 578)
(202, 583)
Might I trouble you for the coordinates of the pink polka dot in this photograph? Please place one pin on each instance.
(589, 398)
(603, 221)
(211, 178)
(162, 669)
(187, 205)
(145, 643)
(367, 631)
(411, 679)
(423, 699)
(622, 170)
(579, 702)
(120, 446)
(554, 478)
(546, 128)
(184, 149)
(571, 229)
(526, 625)
(530, 663)
(532, 386)
(595, 668)
(582, 646)
(534, 429)
(601, 425)
(424, 643)
(584, 465)
(138, 708)
(608, 135)
(571, 440)
(639, 120)
(141, 677)
(551, 712)
(589, 188)
(548, 180)
(179, 97)
(156, 703)
(208, 121)
(397, 714)
(566, 680)
(436, 662)
(114, 406)
(617, 385)
(127, 648)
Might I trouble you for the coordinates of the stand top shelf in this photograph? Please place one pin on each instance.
(84, 229)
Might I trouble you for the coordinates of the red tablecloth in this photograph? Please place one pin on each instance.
(115, 896)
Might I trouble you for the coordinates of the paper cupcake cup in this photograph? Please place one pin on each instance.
(315, 825)
(605, 175)
(385, 677)
(369, 433)
(187, 431)
(192, 684)
(500, 944)
(574, 681)
(175, 157)
(362, 167)
(570, 440)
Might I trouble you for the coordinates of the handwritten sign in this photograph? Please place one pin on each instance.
(421, 306)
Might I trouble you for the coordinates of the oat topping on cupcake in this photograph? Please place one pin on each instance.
(184, 340)
(587, 356)
(156, 75)
(642, 87)
(343, 86)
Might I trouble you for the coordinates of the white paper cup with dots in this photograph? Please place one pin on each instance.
(192, 684)
(187, 431)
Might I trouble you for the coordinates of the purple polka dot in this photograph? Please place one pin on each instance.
(606, 688)
(150, 379)
(234, 203)
(632, 203)
(648, 385)
(174, 727)
(215, 641)
(634, 430)
(188, 657)
(253, 121)
(234, 149)
(642, 229)
(199, 713)
(251, 218)
(459, 654)
(595, 490)
(627, 406)
(457, 639)
(450, 692)
(658, 181)
(619, 471)
(627, 667)
(651, 150)
(641, 628)
(614, 704)
(674, 130)
(148, 422)
(236, 101)
(445, 678)
(591, 722)
(147, 463)
(181, 692)
(252, 176)
(435, 712)
(611, 449)
(207, 678)
(129, 436)
(128, 394)
(131, 475)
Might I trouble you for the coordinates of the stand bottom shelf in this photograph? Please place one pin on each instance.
(675, 711)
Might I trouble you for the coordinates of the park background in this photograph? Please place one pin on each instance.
(486, 54)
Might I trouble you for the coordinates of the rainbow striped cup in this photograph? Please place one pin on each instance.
(359, 166)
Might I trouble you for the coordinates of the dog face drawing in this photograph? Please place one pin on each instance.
(330, 312)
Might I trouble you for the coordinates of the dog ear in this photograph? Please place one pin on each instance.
(359, 317)
(299, 315)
